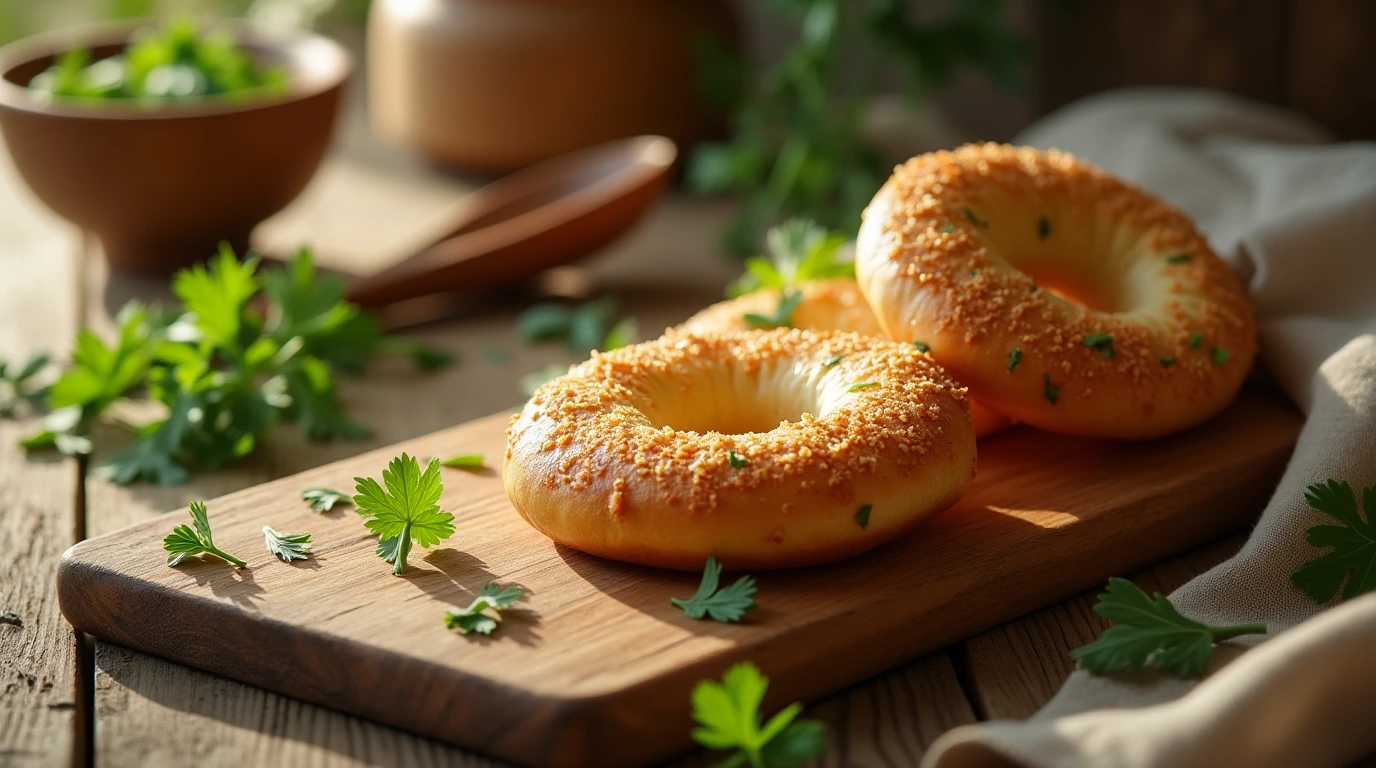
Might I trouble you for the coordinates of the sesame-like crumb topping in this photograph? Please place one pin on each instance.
(612, 418)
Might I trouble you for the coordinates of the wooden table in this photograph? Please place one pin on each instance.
(65, 698)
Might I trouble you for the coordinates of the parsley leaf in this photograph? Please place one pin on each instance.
(1043, 228)
(323, 499)
(1353, 559)
(859, 385)
(484, 613)
(287, 546)
(833, 360)
(16, 386)
(728, 715)
(862, 516)
(1220, 355)
(921, 346)
(405, 512)
(623, 334)
(783, 313)
(1179, 258)
(464, 461)
(1196, 339)
(736, 460)
(185, 541)
(1100, 341)
(1167, 361)
(1148, 630)
(973, 219)
(798, 251)
(1014, 358)
(727, 604)
(1050, 391)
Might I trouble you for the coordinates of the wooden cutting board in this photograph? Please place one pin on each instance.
(598, 666)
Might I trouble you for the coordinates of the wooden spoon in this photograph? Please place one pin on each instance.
(546, 215)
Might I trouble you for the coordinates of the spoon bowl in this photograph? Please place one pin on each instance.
(543, 216)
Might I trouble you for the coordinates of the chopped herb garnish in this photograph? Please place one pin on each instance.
(1149, 630)
(735, 460)
(484, 613)
(1353, 559)
(1196, 339)
(977, 221)
(833, 360)
(862, 385)
(728, 716)
(1179, 258)
(185, 541)
(862, 517)
(1100, 341)
(949, 228)
(324, 499)
(1033, 288)
(1014, 358)
(1167, 362)
(974, 272)
(287, 546)
(1050, 391)
(726, 604)
(783, 313)
(921, 346)
(1043, 228)
(464, 461)
(1220, 355)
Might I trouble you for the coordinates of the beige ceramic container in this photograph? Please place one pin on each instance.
(494, 85)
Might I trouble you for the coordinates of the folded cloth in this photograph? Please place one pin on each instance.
(1295, 216)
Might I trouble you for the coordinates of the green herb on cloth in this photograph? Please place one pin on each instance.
(406, 511)
(190, 540)
(1150, 631)
(728, 717)
(1351, 565)
(483, 615)
(727, 604)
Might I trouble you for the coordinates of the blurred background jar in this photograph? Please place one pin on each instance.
(494, 85)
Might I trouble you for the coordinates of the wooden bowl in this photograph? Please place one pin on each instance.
(161, 187)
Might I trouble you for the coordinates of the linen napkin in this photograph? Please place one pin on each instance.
(1295, 216)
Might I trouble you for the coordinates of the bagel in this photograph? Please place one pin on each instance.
(833, 304)
(1059, 294)
(766, 449)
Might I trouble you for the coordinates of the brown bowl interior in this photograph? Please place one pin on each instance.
(160, 188)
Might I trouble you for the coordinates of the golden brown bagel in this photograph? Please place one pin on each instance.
(834, 304)
(758, 448)
(1061, 295)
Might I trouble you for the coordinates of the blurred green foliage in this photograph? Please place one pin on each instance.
(798, 148)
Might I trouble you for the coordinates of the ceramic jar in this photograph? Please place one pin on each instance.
(494, 85)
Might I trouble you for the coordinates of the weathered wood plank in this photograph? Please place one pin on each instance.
(39, 703)
(1015, 668)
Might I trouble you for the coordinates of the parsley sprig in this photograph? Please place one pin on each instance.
(581, 328)
(782, 316)
(323, 499)
(1351, 565)
(727, 604)
(406, 511)
(1149, 630)
(728, 716)
(484, 613)
(222, 371)
(287, 546)
(17, 387)
(190, 540)
(798, 250)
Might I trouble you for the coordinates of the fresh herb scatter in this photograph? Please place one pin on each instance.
(1043, 228)
(406, 511)
(728, 604)
(190, 540)
(1167, 362)
(464, 461)
(17, 388)
(1196, 339)
(581, 328)
(798, 251)
(862, 517)
(1220, 355)
(728, 716)
(948, 228)
(973, 219)
(484, 613)
(1149, 630)
(224, 372)
(1351, 565)
(287, 546)
(856, 387)
(783, 313)
(157, 66)
(736, 460)
(921, 346)
(1014, 358)
(1100, 341)
(1179, 258)
(833, 360)
(323, 499)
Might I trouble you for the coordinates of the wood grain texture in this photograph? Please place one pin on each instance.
(1015, 668)
(39, 704)
(598, 651)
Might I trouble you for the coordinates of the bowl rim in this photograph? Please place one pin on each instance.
(296, 47)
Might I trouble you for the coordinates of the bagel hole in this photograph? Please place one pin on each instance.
(1076, 292)
(729, 402)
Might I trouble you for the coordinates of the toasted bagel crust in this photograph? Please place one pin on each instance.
(595, 462)
(1061, 295)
